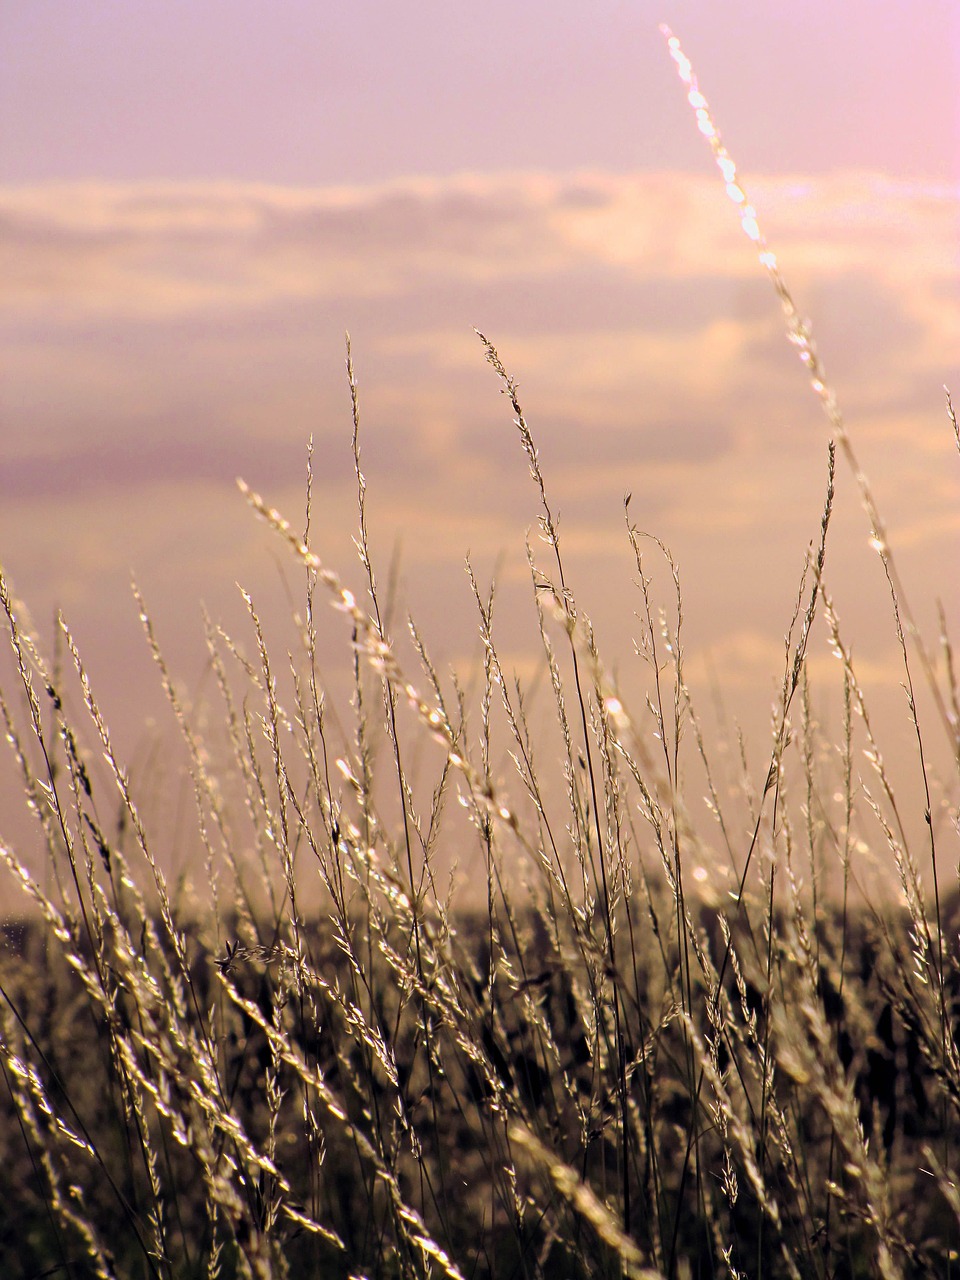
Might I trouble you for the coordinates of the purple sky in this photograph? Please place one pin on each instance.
(318, 93)
(197, 199)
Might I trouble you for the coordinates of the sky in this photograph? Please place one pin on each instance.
(198, 200)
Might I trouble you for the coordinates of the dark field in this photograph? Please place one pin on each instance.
(307, 1083)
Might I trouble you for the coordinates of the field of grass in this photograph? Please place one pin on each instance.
(595, 1066)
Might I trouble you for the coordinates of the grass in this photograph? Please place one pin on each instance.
(595, 1067)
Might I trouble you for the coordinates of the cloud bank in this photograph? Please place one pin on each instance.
(159, 340)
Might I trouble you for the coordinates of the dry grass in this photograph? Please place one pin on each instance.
(598, 1072)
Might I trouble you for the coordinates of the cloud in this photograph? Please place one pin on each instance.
(160, 340)
(153, 457)
(614, 299)
(160, 250)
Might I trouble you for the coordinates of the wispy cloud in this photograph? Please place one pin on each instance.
(163, 339)
(155, 251)
(145, 318)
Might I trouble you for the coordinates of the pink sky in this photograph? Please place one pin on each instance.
(317, 93)
(198, 199)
